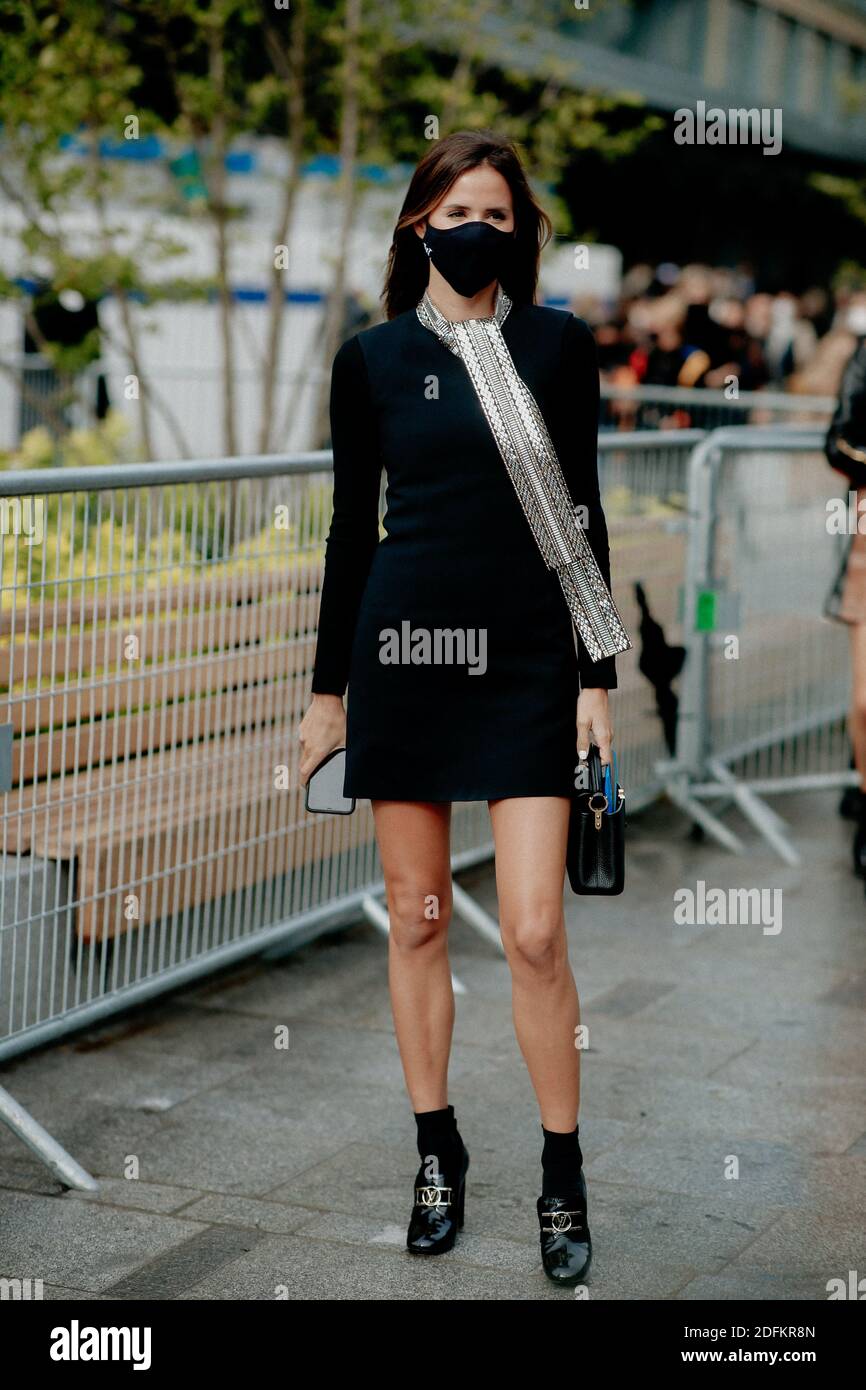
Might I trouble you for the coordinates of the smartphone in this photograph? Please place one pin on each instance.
(324, 791)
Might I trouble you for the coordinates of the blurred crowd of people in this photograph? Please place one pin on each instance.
(699, 326)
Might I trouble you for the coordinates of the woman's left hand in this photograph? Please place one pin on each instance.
(593, 714)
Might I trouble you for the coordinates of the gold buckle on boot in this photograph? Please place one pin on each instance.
(429, 1196)
(561, 1221)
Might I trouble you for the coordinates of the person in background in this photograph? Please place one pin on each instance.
(845, 447)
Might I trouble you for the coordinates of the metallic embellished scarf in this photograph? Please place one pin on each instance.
(523, 441)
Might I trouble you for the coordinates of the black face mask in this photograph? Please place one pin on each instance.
(469, 256)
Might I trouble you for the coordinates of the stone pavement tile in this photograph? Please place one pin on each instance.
(840, 1186)
(250, 1212)
(827, 1027)
(331, 1107)
(817, 1047)
(138, 1196)
(695, 1163)
(83, 1245)
(630, 1094)
(192, 1033)
(830, 1184)
(742, 1281)
(643, 1224)
(177, 1271)
(370, 1180)
(474, 1249)
(823, 933)
(816, 1242)
(859, 1147)
(99, 1136)
(771, 969)
(223, 1144)
(744, 1010)
(198, 1033)
(818, 1119)
(815, 1118)
(330, 1270)
(341, 978)
(850, 992)
(27, 1174)
(660, 1039)
(629, 997)
(56, 1293)
(115, 1076)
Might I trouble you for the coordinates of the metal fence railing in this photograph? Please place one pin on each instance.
(32, 394)
(680, 407)
(766, 687)
(155, 651)
(156, 644)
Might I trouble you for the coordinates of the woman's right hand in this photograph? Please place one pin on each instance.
(322, 729)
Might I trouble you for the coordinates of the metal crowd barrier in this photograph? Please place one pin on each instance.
(765, 690)
(31, 395)
(157, 630)
(682, 407)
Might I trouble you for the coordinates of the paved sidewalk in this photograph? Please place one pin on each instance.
(261, 1168)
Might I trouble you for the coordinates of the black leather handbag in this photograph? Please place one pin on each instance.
(595, 859)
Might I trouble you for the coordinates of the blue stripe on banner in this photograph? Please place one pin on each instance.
(236, 161)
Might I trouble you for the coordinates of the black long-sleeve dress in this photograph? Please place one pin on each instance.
(458, 557)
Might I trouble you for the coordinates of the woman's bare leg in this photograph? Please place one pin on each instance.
(530, 836)
(414, 844)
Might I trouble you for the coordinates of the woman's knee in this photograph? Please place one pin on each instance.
(418, 915)
(534, 938)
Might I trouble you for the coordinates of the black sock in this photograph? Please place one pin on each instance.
(561, 1162)
(438, 1134)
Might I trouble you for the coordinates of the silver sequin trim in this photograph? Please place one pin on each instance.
(526, 447)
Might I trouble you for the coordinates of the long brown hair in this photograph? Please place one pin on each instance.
(408, 267)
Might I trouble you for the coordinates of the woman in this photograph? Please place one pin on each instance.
(498, 715)
(846, 452)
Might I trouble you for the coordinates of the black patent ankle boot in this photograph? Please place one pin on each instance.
(566, 1247)
(439, 1198)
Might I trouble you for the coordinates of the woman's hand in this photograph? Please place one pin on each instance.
(593, 714)
(322, 729)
